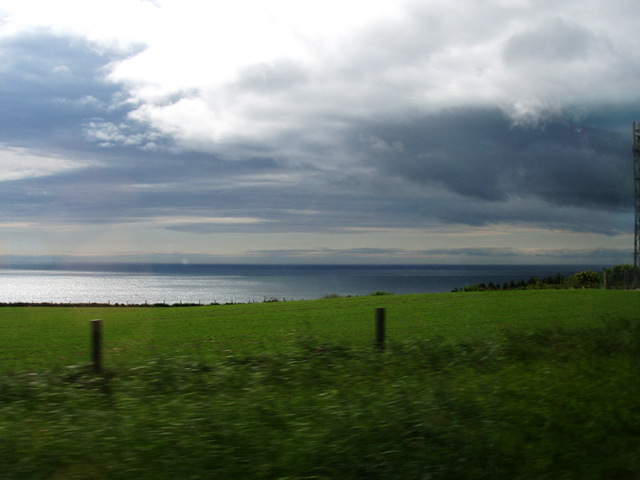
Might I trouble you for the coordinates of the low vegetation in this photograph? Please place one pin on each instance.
(528, 385)
(617, 277)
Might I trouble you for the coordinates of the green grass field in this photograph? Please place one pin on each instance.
(44, 337)
(495, 385)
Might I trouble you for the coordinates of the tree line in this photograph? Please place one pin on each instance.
(617, 277)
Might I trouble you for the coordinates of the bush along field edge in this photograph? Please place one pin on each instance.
(618, 277)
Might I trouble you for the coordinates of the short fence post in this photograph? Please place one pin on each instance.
(96, 341)
(380, 328)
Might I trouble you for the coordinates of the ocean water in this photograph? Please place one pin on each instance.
(174, 284)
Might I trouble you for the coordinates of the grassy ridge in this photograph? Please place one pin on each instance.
(521, 385)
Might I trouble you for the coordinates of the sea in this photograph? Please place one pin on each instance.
(209, 284)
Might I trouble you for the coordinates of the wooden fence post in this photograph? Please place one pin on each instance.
(380, 328)
(96, 342)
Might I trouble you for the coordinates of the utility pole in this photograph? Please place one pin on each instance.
(636, 176)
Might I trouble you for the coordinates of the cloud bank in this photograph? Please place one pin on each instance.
(203, 128)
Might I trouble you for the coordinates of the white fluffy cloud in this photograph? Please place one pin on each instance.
(214, 74)
(209, 73)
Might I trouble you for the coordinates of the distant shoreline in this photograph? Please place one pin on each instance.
(221, 268)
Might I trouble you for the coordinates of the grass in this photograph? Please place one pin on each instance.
(43, 337)
(498, 385)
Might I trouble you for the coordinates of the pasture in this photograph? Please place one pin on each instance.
(495, 385)
(46, 337)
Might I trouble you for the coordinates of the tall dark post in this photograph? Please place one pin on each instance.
(636, 177)
(96, 341)
(380, 328)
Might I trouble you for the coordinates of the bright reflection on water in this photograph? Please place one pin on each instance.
(132, 288)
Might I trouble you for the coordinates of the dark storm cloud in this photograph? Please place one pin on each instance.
(480, 155)
(284, 198)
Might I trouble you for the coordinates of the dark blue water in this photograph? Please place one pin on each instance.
(136, 283)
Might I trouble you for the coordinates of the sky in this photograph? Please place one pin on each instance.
(351, 132)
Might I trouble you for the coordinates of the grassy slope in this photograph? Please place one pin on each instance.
(496, 385)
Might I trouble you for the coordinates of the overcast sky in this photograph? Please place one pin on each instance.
(475, 131)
